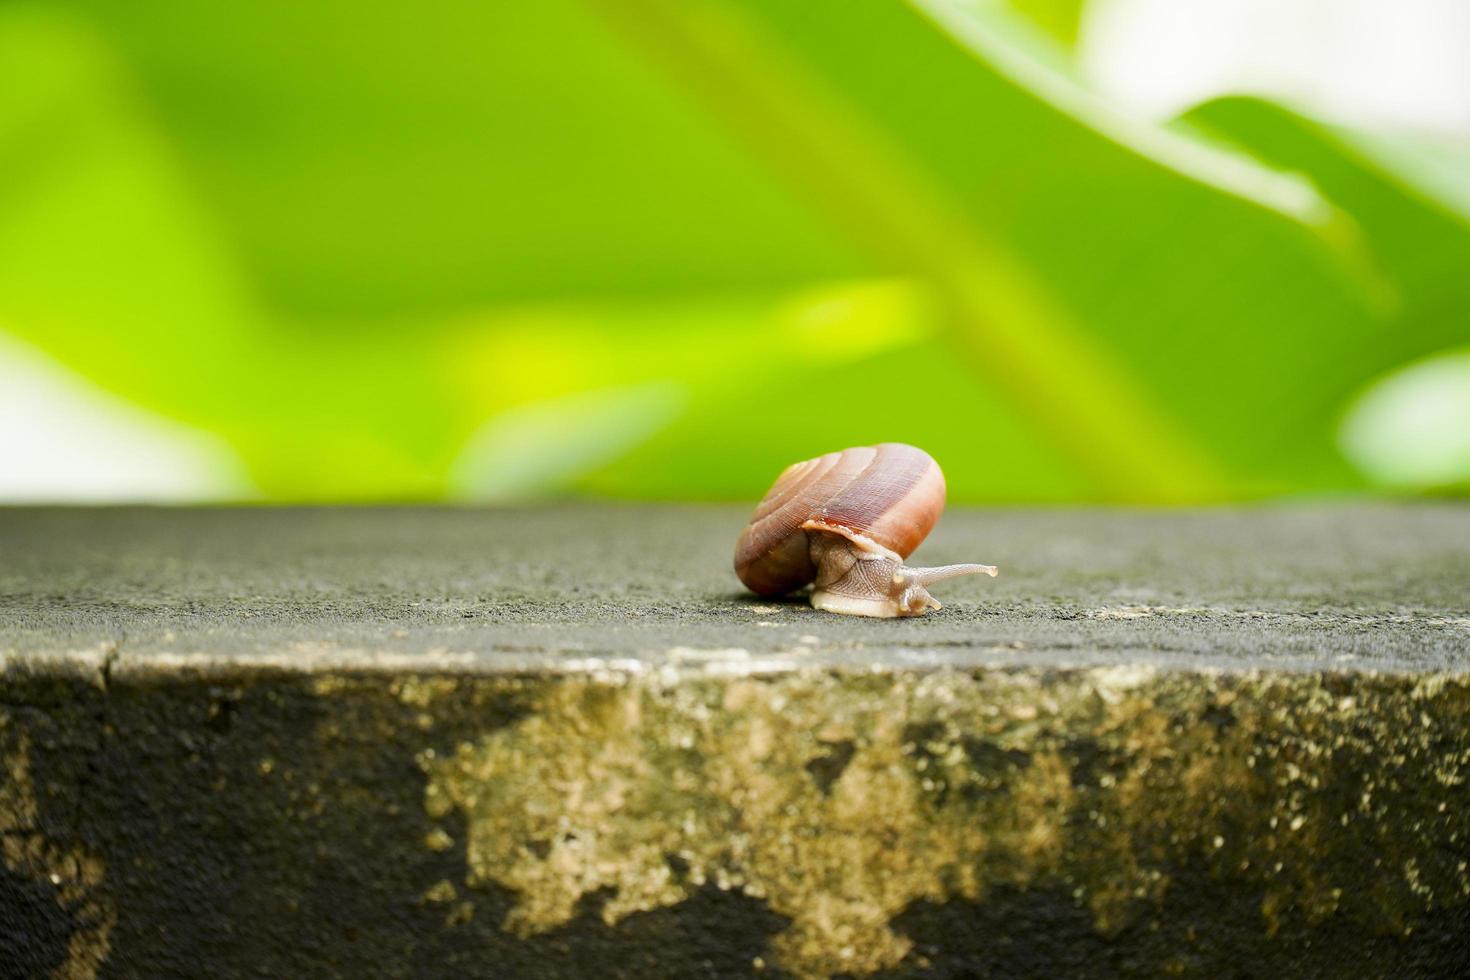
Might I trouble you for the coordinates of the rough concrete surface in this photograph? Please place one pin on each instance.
(562, 742)
(1379, 587)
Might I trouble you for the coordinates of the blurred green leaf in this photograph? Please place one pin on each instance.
(532, 450)
(397, 254)
(1060, 19)
(1435, 167)
(1217, 294)
(376, 160)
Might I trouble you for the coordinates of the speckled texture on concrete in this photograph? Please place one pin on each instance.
(560, 742)
(1379, 587)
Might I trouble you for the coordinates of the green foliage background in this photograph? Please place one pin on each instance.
(662, 248)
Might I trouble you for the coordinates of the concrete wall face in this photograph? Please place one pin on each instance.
(810, 823)
(563, 742)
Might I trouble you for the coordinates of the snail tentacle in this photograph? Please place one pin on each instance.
(928, 576)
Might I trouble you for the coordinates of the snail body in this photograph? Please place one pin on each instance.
(844, 523)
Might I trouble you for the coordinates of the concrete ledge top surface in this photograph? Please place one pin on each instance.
(1340, 587)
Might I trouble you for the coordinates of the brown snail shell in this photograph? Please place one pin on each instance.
(846, 521)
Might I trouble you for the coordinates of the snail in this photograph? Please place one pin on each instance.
(845, 522)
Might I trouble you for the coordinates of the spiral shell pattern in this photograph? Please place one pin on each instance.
(888, 496)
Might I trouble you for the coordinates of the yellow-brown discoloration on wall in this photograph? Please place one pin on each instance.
(74, 874)
(842, 799)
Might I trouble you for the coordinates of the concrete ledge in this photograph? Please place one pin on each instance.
(559, 743)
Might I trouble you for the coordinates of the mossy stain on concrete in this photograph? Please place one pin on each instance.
(842, 799)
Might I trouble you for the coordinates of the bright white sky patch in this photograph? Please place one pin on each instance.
(63, 439)
(1374, 64)
(1412, 428)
